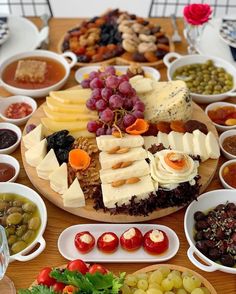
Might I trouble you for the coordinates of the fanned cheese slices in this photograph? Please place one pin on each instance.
(48, 165)
(36, 154)
(74, 196)
(79, 96)
(33, 137)
(59, 179)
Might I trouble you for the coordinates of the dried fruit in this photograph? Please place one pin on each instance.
(117, 165)
(178, 126)
(230, 122)
(164, 127)
(132, 180)
(123, 150)
(126, 164)
(113, 150)
(139, 127)
(118, 183)
(79, 159)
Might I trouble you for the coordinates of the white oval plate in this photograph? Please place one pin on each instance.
(81, 72)
(68, 250)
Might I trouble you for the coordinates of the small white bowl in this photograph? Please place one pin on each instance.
(12, 161)
(205, 202)
(18, 132)
(36, 93)
(223, 182)
(6, 102)
(33, 196)
(215, 105)
(222, 137)
(181, 60)
(81, 72)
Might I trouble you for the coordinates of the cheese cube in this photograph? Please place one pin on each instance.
(176, 141)
(149, 141)
(74, 196)
(199, 145)
(59, 179)
(137, 169)
(33, 137)
(212, 146)
(48, 165)
(188, 143)
(36, 154)
(162, 138)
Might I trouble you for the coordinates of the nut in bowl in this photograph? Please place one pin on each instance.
(209, 79)
(17, 109)
(36, 73)
(10, 137)
(9, 168)
(227, 174)
(205, 240)
(227, 143)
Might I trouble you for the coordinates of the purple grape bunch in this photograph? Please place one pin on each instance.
(114, 99)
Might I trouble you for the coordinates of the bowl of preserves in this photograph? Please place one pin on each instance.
(223, 115)
(208, 78)
(17, 109)
(227, 141)
(10, 137)
(210, 226)
(227, 174)
(23, 214)
(9, 168)
(36, 73)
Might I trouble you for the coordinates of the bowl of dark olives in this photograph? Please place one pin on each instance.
(210, 228)
(209, 79)
(23, 215)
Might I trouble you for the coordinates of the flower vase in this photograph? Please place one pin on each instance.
(193, 34)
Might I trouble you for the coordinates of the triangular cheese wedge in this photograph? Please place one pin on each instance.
(59, 179)
(74, 196)
(33, 137)
(36, 154)
(48, 165)
(79, 96)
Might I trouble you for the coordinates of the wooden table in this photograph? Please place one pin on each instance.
(24, 273)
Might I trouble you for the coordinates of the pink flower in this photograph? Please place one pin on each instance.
(197, 14)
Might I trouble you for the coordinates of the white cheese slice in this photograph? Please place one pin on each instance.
(138, 168)
(135, 78)
(106, 143)
(33, 137)
(212, 146)
(175, 141)
(108, 160)
(199, 145)
(162, 138)
(48, 165)
(188, 143)
(74, 196)
(142, 85)
(59, 179)
(122, 195)
(149, 141)
(36, 154)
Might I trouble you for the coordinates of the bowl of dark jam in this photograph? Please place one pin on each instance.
(10, 137)
(9, 168)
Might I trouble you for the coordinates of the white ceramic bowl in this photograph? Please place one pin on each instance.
(222, 137)
(205, 202)
(12, 161)
(81, 72)
(18, 132)
(61, 58)
(215, 105)
(34, 197)
(6, 102)
(223, 182)
(181, 60)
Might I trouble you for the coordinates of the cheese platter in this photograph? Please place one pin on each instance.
(124, 170)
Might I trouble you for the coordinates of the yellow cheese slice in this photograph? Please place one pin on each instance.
(79, 96)
(48, 165)
(56, 126)
(59, 179)
(55, 105)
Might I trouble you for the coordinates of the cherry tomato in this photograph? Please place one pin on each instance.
(77, 265)
(131, 239)
(44, 277)
(155, 242)
(84, 242)
(97, 268)
(58, 287)
(108, 242)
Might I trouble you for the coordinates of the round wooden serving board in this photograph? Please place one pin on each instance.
(206, 170)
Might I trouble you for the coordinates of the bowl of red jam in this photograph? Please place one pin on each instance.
(10, 137)
(9, 168)
(17, 109)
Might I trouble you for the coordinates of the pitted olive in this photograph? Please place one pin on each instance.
(21, 230)
(18, 246)
(14, 218)
(34, 223)
(29, 207)
(11, 240)
(28, 236)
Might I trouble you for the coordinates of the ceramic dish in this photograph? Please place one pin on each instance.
(68, 250)
(4, 30)
(12, 161)
(215, 105)
(227, 32)
(82, 72)
(222, 137)
(181, 60)
(223, 182)
(34, 197)
(18, 132)
(61, 58)
(205, 202)
(6, 102)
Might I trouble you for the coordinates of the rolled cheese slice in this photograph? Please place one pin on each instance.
(106, 143)
(74, 196)
(36, 154)
(48, 165)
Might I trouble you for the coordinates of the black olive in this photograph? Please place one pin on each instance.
(199, 215)
(214, 254)
(220, 207)
(231, 213)
(227, 260)
(219, 235)
(210, 243)
(201, 225)
(211, 220)
(198, 236)
(207, 235)
(201, 246)
(230, 206)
